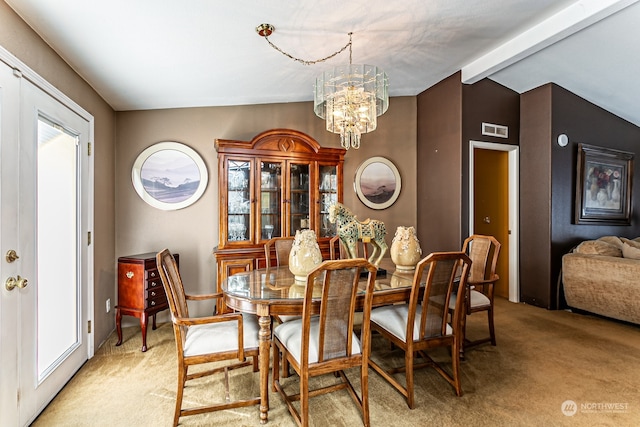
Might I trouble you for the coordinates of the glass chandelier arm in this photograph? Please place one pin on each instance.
(315, 61)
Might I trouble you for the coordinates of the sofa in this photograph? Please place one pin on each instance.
(603, 277)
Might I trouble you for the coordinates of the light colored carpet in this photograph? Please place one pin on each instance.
(543, 358)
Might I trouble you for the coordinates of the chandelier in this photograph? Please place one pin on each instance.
(348, 97)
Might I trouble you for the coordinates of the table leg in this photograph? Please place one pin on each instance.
(144, 321)
(265, 348)
(154, 322)
(119, 325)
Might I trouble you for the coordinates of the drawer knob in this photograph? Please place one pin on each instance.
(153, 274)
(153, 294)
(153, 303)
(129, 274)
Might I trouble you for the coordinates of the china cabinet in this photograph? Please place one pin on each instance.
(279, 182)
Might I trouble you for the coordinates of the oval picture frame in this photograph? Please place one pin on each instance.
(377, 183)
(169, 175)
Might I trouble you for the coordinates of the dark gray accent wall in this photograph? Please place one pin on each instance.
(548, 179)
(438, 175)
(450, 115)
(489, 102)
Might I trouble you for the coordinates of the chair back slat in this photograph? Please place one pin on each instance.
(340, 281)
(282, 248)
(441, 281)
(336, 321)
(483, 251)
(173, 287)
(479, 253)
(435, 302)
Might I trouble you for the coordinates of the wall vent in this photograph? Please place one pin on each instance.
(490, 129)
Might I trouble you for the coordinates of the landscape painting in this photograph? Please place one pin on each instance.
(170, 176)
(377, 183)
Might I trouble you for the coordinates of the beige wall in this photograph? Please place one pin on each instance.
(125, 225)
(26, 45)
(193, 231)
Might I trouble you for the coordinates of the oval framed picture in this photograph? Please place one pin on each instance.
(169, 175)
(377, 183)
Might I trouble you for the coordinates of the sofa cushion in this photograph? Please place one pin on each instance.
(633, 243)
(613, 240)
(630, 250)
(598, 247)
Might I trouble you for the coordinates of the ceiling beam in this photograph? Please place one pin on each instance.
(568, 21)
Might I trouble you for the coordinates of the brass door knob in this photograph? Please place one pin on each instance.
(15, 282)
(11, 256)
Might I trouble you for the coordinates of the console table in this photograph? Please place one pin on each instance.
(140, 291)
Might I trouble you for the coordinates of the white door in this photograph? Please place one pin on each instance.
(46, 214)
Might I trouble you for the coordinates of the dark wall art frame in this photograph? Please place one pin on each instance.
(603, 186)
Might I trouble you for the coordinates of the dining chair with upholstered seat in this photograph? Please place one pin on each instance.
(422, 323)
(326, 343)
(337, 249)
(282, 247)
(479, 292)
(206, 339)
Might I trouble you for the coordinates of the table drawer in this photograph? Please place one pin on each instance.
(154, 293)
(154, 284)
(152, 274)
(156, 301)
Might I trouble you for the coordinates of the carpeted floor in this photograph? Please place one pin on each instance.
(543, 359)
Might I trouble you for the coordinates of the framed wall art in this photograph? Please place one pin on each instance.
(169, 175)
(377, 183)
(603, 186)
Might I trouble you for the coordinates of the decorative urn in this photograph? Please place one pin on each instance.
(405, 249)
(305, 254)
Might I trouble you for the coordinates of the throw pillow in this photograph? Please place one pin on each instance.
(598, 247)
(613, 240)
(629, 251)
(632, 243)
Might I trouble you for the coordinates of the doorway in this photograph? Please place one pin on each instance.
(46, 257)
(493, 202)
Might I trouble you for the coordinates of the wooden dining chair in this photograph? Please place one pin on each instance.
(282, 247)
(422, 323)
(326, 343)
(206, 339)
(479, 292)
(338, 251)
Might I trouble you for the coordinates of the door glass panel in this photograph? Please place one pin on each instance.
(299, 209)
(270, 198)
(57, 245)
(328, 197)
(238, 200)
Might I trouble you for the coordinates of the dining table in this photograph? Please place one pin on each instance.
(274, 291)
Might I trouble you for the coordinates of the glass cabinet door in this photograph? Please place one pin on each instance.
(270, 200)
(328, 196)
(299, 197)
(238, 200)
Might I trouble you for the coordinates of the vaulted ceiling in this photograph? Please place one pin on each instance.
(151, 54)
